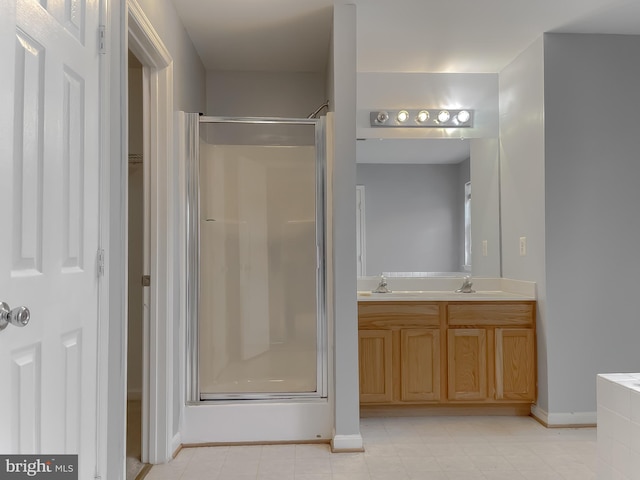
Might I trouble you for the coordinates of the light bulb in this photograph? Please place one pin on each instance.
(463, 116)
(403, 115)
(382, 117)
(422, 116)
(443, 116)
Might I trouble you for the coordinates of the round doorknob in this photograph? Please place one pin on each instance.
(18, 317)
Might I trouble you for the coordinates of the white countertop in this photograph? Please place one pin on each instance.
(442, 296)
(444, 289)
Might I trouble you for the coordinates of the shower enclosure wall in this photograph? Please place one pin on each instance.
(256, 322)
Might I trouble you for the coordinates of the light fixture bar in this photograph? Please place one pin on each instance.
(424, 117)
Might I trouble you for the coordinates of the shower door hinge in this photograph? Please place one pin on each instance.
(102, 39)
(100, 262)
(146, 280)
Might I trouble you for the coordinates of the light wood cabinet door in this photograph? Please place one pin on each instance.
(515, 364)
(375, 366)
(467, 363)
(420, 364)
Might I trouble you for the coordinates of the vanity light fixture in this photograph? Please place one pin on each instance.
(424, 117)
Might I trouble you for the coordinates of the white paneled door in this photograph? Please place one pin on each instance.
(49, 92)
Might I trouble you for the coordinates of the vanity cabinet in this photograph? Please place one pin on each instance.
(491, 351)
(399, 352)
(468, 352)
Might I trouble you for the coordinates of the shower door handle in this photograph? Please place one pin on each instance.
(18, 317)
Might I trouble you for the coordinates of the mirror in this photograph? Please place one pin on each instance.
(415, 217)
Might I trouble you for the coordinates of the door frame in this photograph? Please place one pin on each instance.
(125, 23)
(157, 79)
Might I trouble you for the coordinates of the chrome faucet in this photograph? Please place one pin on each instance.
(466, 286)
(382, 286)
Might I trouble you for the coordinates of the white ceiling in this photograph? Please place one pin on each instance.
(480, 36)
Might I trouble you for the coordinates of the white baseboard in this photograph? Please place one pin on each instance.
(564, 419)
(176, 444)
(347, 443)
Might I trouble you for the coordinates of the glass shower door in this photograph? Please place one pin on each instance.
(261, 327)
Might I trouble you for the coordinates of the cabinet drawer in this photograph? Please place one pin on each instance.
(487, 313)
(398, 314)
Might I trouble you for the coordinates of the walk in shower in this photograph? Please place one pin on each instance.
(256, 277)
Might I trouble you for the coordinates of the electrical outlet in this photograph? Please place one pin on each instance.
(523, 246)
(485, 248)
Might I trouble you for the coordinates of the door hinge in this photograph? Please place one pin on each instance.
(100, 262)
(102, 39)
(146, 280)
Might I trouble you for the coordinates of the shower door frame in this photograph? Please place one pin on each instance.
(193, 395)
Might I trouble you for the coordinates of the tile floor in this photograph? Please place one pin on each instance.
(425, 448)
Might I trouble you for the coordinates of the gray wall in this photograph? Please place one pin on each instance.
(569, 184)
(414, 216)
(265, 94)
(592, 212)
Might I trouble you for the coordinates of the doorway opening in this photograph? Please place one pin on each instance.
(135, 267)
(160, 370)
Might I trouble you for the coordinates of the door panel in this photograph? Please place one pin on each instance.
(374, 352)
(420, 364)
(515, 364)
(50, 161)
(467, 354)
